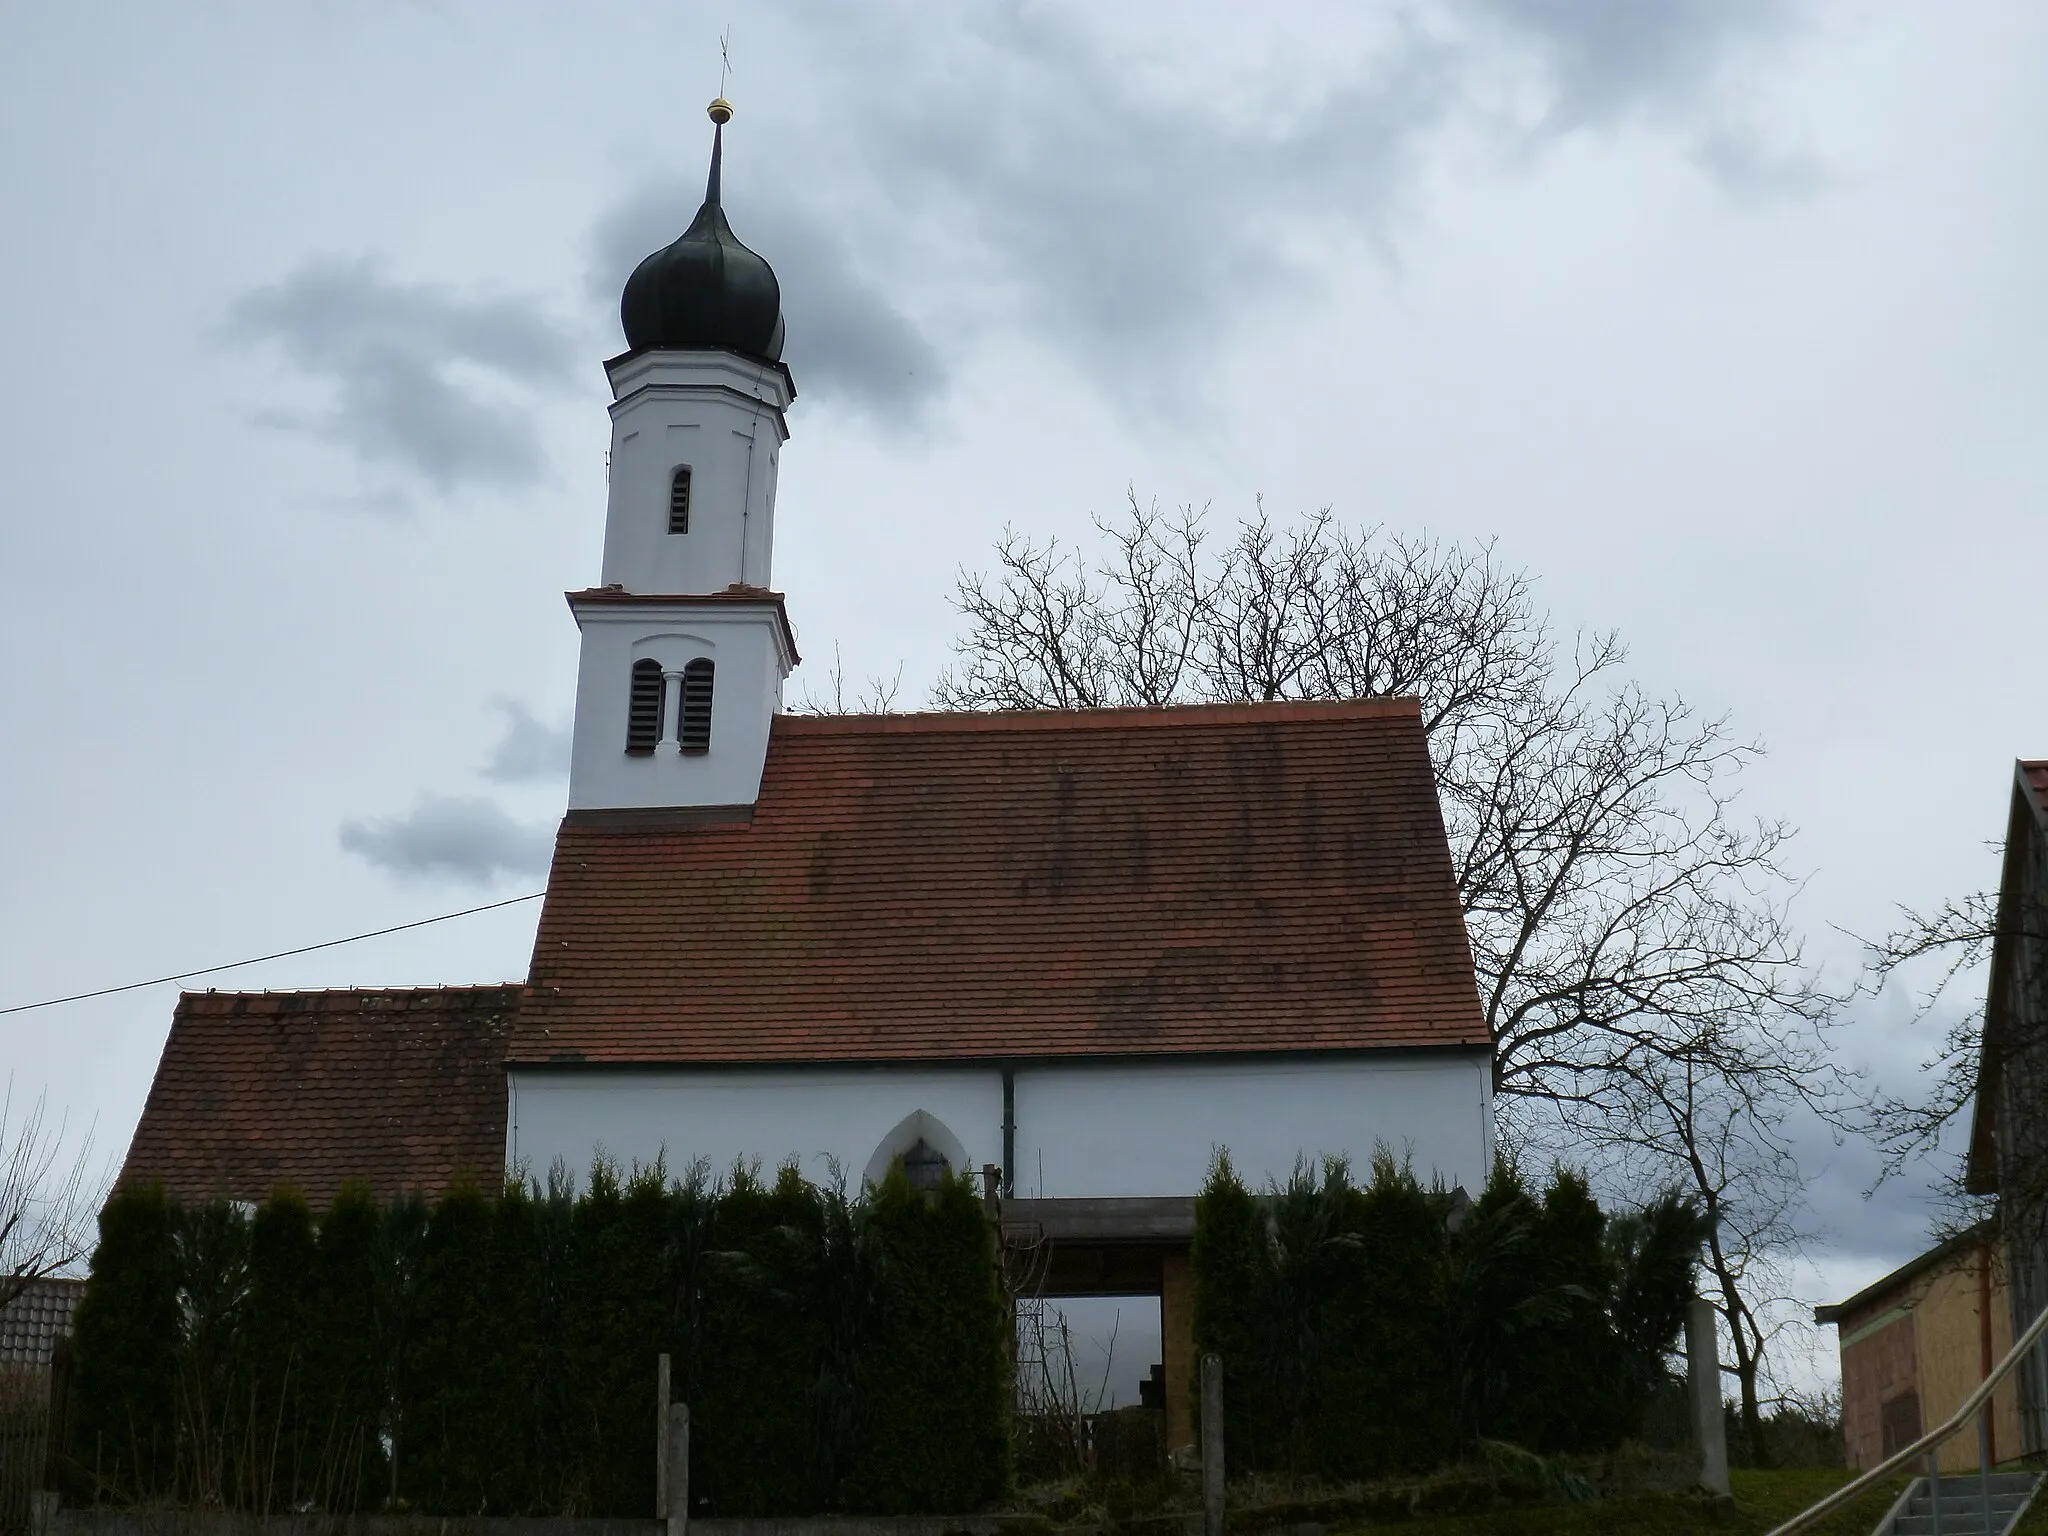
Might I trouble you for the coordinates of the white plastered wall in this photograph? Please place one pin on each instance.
(1153, 1128)
(744, 642)
(721, 415)
(756, 1115)
(1137, 1129)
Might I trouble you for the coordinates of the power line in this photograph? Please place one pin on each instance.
(303, 949)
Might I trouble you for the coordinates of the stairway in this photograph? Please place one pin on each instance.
(1962, 1506)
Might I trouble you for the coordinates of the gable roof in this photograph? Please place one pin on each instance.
(398, 1088)
(1214, 879)
(2026, 824)
(1971, 1241)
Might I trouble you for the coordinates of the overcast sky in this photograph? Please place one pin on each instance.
(1724, 317)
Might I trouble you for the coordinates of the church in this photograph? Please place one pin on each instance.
(1075, 954)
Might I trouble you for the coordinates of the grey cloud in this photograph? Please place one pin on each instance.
(1016, 180)
(426, 381)
(847, 340)
(1037, 180)
(1750, 169)
(1613, 61)
(530, 751)
(1133, 227)
(1021, 178)
(1886, 1224)
(1609, 58)
(468, 840)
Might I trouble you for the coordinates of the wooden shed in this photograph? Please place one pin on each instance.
(1918, 1342)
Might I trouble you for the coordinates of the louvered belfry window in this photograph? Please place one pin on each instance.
(679, 501)
(643, 714)
(695, 734)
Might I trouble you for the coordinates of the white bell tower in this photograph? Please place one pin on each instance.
(686, 644)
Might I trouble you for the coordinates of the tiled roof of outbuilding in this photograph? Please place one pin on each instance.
(399, 1088)
(33, 1322)
(1236, 878)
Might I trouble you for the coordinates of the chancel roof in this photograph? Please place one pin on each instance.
(1216, 879)
(399, 1088)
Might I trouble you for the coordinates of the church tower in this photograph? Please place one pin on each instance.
(686, 644)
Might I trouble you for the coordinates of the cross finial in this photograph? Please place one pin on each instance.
(720, 112)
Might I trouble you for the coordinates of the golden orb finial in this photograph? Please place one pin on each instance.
(721, 111)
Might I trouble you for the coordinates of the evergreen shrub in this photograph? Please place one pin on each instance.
(933, 1379)
(125, 1353)
(345, 1386)
(1372, 1330)
(282, 1314)
(495, 1354)
(763, 1350)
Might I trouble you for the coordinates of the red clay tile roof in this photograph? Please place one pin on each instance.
(1265, 877)
(398, 1088)
(40, 1315)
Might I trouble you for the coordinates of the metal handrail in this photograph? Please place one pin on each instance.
(1926, 1442)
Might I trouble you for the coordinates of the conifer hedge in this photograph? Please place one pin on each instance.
(496, 1353)
(1389, 1328)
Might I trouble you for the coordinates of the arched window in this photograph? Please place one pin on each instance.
(643, 713)
(679, 500)
(924, 1165)
(925, 1147)
(695, 735)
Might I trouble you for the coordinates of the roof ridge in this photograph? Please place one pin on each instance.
(1108, 717)
(430, 989)
(1971, 1236)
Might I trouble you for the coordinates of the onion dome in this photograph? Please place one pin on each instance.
(705, 290)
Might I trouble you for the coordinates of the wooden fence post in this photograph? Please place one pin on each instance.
(1703, 1370)
(1212, 1445)
(678, 1468)
(661, 1437)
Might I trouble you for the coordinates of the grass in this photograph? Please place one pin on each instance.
(1763, 1500)
(2036, 1523)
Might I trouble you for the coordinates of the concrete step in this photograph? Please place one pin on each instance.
(1962, 1506)
(1971, 1506)
(2001, 1482)
(1954, 1522)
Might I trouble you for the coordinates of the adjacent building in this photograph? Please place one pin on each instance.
(1918, 1342)
(2008, 1154)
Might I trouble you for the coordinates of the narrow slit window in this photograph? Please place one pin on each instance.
(643, 714)
(695, 734)
(679, 500)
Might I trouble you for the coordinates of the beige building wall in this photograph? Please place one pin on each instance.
(1914, 1347)
(1949, 1332)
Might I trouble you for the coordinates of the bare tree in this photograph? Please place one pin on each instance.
(1615, 901)
(1726, 1135)
(875, 697)
(1956, 940)
(49, 1199)
(1625, 920)
(1053, 1400)
(1994, 1047)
